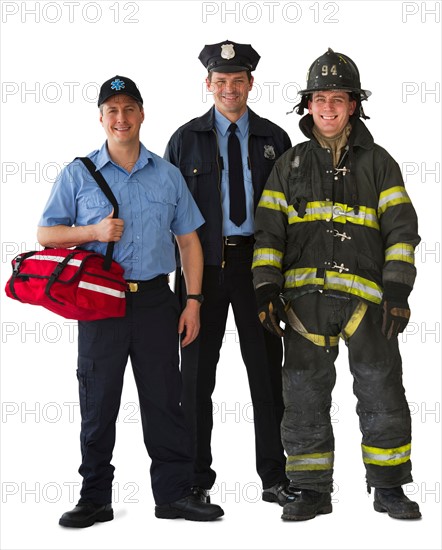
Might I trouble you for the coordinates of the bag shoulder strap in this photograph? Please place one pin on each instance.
(104, 186)
(102, 183)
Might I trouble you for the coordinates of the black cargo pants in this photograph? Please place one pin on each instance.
(148, 335)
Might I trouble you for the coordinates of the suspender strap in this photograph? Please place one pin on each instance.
(104, 186)
(326, 340)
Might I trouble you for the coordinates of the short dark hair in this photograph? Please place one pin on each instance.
(249, 75)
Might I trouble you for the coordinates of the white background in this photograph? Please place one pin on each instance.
(52, 62)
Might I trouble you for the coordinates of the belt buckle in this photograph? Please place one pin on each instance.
(226, 240)
(133, 287)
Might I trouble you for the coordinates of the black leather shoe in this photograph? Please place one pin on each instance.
(202, 494)
(281, 493)
(86, 514)
(190, 508)
(395, 503)
(307, 505)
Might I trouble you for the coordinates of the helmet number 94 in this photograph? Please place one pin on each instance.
(326, 71)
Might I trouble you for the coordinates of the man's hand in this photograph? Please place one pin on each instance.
(109, 229)
(190, 322)
(396, 312)
(270, 308)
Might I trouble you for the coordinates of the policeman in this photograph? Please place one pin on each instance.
(154, 202)
(225, 157)
(335, 233)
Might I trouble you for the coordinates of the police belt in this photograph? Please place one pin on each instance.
(140, 286)
(239, 240)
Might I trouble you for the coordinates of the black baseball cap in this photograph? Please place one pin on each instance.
(229, 57)
(119, 85)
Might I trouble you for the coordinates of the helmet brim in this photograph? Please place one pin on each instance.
(363, 93)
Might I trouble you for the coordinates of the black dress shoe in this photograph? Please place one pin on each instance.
(190, 508)
(395, 503)
(86, 514)
(281, 493)
(202, 494)
(307, 505)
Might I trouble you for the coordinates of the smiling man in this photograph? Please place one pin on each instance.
(225, 157)
(335, 239)
(154, 203)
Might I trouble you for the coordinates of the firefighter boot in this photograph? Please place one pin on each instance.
(307, 505)
(395, 503)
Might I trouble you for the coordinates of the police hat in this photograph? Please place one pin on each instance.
(119, 85)
(229, 57)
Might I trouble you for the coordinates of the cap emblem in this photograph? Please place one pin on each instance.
(227, 51)
(117, 85)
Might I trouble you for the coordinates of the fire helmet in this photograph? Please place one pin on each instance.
(333, 71)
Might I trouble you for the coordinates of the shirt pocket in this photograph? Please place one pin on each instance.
(97, 205)
(198, 175)
(161, 208)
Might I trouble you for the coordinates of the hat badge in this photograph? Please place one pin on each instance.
(117, 84)
(227, 51)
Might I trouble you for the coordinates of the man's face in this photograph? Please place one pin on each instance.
(230, 92)
(122, 119)
(331, 111)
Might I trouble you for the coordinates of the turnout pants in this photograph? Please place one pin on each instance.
(262, 356)
(308, 379)
(148, 336)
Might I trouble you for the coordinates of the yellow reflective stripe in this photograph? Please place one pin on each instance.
(353, 284)
(313, 461)
(401, 251)
(365, 216)
(314, 211)
(392, 197)
(342, 213)
(354, 321)
(386, 457)
(273, 200)
(345, 282)
(267, 256)
(301, 277)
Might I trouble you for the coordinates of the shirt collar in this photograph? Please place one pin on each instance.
(222, 123)
(103, 158)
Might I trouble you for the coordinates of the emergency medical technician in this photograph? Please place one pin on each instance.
(154, 201)
(225, 157)
(335, 233)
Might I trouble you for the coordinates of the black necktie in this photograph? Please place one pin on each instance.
(236, 179)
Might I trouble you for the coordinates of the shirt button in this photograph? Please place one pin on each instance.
(195, 170)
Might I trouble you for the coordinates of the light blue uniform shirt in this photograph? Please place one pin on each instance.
(153, 201)
(222, 125)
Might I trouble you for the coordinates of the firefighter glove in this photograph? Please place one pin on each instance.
(270, 308)
(396, 311)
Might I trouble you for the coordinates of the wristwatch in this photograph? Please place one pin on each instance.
(198, 297)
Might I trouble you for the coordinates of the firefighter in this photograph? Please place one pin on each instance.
(334, 257)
